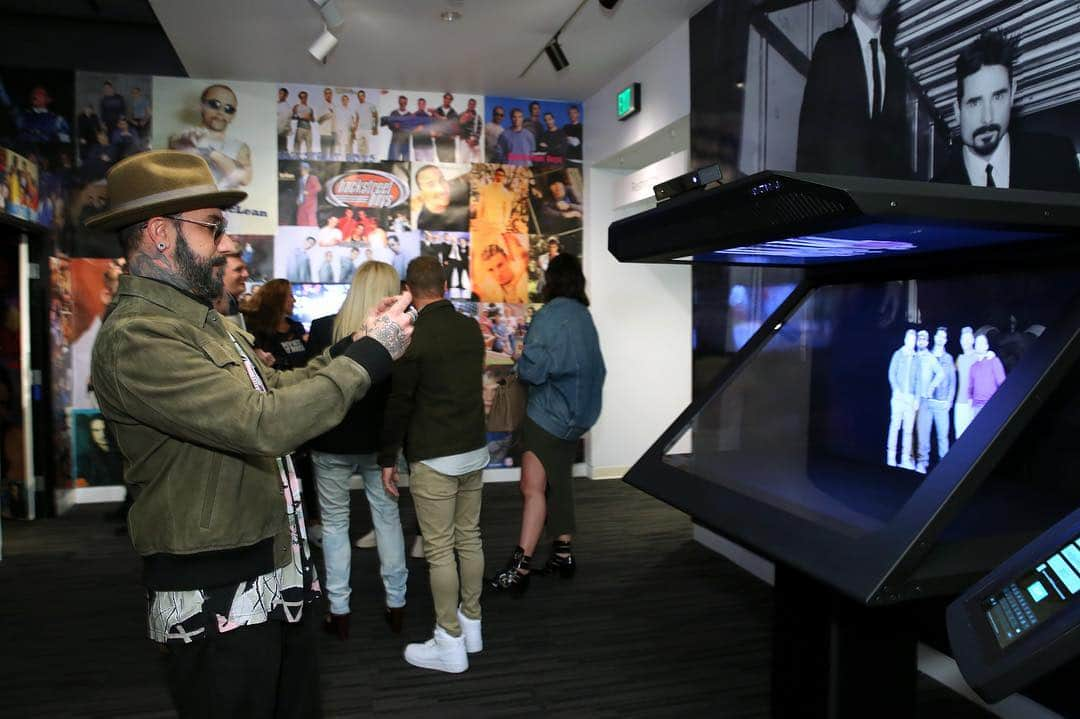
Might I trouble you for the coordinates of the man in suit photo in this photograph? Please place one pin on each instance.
(853, 119)
(989, 154)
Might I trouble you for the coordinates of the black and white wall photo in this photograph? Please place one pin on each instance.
(945, 90)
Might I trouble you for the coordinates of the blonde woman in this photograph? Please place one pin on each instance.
(350, 448)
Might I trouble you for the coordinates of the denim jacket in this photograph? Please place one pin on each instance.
(930, 374)
(945, 391)
(564, 369)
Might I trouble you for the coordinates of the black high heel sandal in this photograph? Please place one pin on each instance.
(510, 580)
(566, 566)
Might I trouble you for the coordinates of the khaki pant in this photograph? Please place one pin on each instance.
(302, 139)
(448, 511)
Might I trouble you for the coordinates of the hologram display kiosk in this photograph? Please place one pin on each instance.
(902, 422)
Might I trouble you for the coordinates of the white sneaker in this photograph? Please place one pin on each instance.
(417, 551)
(470, 629)
(367, 541)
(442, 652)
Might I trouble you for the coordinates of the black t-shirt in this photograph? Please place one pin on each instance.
(573, 149)
(288, 347)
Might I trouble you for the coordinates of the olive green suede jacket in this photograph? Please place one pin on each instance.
(199, 442)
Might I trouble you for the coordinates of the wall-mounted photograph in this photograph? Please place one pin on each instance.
(228, 124)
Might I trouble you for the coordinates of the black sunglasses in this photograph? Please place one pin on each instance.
(217, 228)
(219, 105)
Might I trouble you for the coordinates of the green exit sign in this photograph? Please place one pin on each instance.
(629, 100)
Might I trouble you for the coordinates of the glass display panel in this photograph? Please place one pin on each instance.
(1035, 596)
(852, 401)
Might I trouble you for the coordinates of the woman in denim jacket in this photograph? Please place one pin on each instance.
(564, 370)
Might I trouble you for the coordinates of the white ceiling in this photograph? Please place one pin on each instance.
(404, 44)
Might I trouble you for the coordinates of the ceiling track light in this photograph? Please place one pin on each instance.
(556, 55)
(333, 20)
(552, 48)
(322, 46)
(331, 13)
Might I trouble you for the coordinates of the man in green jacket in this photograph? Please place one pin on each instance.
(205, 430)
(436, 409)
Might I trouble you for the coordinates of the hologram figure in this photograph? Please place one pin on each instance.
(935, 402)
(902, 377)
(962, 413)
(928, 374)
(986, 375)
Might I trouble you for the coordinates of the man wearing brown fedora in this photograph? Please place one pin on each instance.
(205, 429)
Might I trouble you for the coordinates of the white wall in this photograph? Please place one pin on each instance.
(664, 74)
(642, 312)
(638, 186)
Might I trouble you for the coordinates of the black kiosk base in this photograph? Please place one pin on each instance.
(835, 657)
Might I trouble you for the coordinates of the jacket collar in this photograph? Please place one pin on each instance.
(435, 306)
(165, 296)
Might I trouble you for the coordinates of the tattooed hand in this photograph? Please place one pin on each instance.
(391, 324)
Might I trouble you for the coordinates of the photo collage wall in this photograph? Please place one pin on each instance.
(335, 176)
(36, 116)
(491, 186)
(19, 194)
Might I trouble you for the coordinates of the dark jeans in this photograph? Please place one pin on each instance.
(265, 671)
(399, 151)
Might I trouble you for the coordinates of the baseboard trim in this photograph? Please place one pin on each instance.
(943, 669)
(616, 471)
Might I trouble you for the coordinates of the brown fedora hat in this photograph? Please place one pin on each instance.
(159, 182)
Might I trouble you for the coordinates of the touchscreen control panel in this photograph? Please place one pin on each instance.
(1022, 620)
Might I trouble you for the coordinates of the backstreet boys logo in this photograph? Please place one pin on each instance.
(367, 188)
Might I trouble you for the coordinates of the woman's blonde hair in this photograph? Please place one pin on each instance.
(372, 283)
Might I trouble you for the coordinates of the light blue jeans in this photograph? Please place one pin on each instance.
(332, 474)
